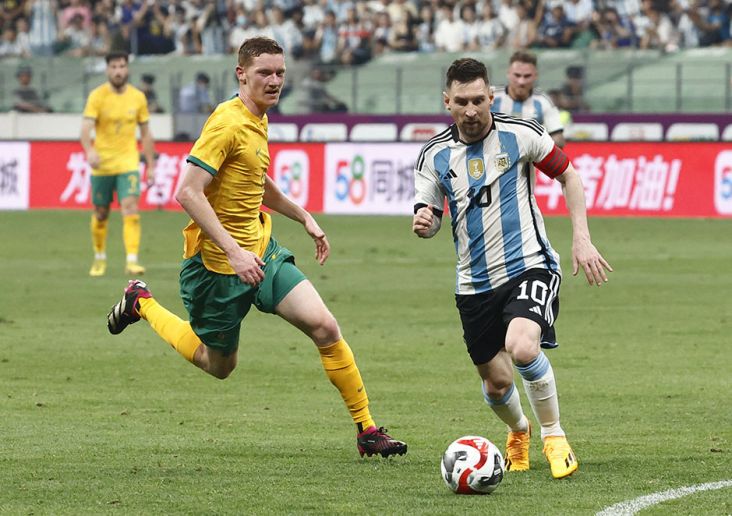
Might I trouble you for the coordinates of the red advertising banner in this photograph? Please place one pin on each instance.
(60, 176)
(647, 179)
(638, 179)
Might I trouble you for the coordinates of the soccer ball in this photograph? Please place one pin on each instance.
(472, 465)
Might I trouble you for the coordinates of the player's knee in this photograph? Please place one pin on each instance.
(522, 347)
(221, 371)
(497, 388)
(326, 330)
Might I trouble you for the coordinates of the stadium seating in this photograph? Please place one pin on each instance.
(620, 81)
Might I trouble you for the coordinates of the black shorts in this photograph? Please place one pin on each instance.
(532, 295)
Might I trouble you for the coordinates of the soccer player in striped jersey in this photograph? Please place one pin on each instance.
(523, 100)
(114, 110)
(508, 274)
(231, 259)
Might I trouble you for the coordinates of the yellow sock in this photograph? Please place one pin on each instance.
(131, 232)
(174, 330)
(99, 234)
(341, 369)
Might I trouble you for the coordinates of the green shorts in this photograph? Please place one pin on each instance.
(126, 184)
(217, 303)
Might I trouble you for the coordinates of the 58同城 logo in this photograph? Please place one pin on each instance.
(292, 173)
(723, 183)
(350, 182)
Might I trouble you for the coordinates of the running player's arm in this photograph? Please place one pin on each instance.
(428, 199)
(148, 149)
(148, 143)
(275, 200)
(191, 196)
(556, 164)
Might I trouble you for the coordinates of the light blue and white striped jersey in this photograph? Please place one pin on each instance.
(537, 107)
(496, 224)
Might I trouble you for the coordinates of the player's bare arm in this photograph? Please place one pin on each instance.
(558, 137)
(425, 223)
(148, 149)
(87, 124)
(246, 264)
(279, 202)
(584, 253)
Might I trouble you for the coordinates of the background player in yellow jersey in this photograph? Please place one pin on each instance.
(231, 259)
(114, 110)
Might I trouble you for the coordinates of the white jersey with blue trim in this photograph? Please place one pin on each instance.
(537, 107)
(497, 227)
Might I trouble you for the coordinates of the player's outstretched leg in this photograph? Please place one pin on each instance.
(505, 402)
(126, 311)
(303, 308)
(562, 459)
(541, 390)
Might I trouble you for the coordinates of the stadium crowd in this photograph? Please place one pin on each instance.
(348, 32)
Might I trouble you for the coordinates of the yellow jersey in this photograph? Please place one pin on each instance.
(233, 149)
(116, 117)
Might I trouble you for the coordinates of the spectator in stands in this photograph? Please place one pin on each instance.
(555, 30)
(573, 90)
(316, 96)
(354, 39)
(239, 31)
(688, 32)
(100, 39)
(471, 25)
(524, 35)
(491, 32)
(153, 33)
(286, 33)
(8, 45)
(42, 16)
(147, 87)
(382, 30)
(401, 10)
(180, 31)
(613, 30)
(326, 38)
(26, 98)
(73, 9)
(449, 34)
(74, 39)
(313, 14)
(579, 13)
(195, 97)
(713, 22)
(425, 29)
(402, 37)
(10, 11)
(655, 30)
(22, 36)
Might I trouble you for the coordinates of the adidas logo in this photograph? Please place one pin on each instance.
(536, 309)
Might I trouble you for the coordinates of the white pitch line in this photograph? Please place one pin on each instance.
(631, 507)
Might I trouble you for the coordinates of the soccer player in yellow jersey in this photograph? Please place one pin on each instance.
(231, 259)
(114, 110)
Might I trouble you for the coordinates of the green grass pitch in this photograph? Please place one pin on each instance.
(96, 424)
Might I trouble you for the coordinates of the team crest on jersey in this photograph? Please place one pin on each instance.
(476, 168)
(503, 162)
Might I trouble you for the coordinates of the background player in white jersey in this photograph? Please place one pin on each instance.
(508, 275)
(520, 98)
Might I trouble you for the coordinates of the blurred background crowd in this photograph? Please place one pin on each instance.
(350, 32)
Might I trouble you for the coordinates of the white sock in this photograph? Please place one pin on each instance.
(132, 258)
(541, 389)
(100, 256)
(508, 409)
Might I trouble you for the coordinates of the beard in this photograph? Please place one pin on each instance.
(118, 82)
(472, 130)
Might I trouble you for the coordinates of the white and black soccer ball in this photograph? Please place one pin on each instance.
(472, 465)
